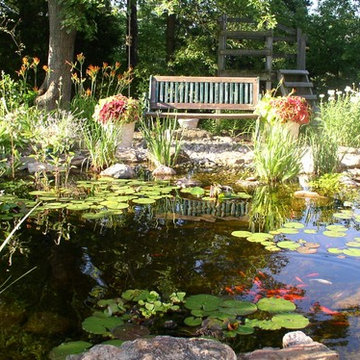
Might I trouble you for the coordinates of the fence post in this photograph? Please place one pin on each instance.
(301, 50)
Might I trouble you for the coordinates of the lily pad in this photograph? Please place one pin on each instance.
(135, 295)
(335, 227)
(310, 231)
(287, 244)
(293, 225)
(78, 207)
(353, 244)
(192, 321)
(288, 231)
(244, 330)
(263, 324)
(342, 216)
(335, 250)
(100, 325)
(144, 201)
(241, 233)
(352, 252)
(203, 301)
(68, 348)
(291, 320)
(259, 237)
(275, 305)
(333, 233)
(238, 307)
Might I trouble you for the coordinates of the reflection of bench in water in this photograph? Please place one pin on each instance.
(197, 210)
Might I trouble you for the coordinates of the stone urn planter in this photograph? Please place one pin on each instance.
(293, 128)
(126, 135)
(188, 123)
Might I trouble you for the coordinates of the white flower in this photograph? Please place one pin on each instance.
(321, 96)
(347, 89)
(331, 92)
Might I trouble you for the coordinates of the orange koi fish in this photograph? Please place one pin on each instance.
(229, 290)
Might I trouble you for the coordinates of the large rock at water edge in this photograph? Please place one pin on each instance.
(119, 171)
(161, 348)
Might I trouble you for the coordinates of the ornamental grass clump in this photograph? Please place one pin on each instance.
(277, 155)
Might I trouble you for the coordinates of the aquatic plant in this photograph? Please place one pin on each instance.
(277, 155)
(101, 142)
(163, 142)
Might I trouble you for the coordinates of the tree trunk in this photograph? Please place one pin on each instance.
(57, 85)
(170, 36)
(132, 31)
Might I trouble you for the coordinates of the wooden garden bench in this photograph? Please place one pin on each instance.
(203, 97)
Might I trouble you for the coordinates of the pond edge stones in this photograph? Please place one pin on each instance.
(160, 348)
(297, 346)
(119, 171)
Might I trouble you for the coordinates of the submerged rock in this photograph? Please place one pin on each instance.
(161, 348)
(119, 171)
(163, 170)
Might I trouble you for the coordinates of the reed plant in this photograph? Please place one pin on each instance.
(277, 154)
(101, 142)
(162, 139)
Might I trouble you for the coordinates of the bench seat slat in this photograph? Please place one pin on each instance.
(203, 115)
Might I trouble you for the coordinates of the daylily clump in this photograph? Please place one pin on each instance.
(117, 109)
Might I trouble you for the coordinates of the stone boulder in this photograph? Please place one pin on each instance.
(119, 171)
(160, 348)
(163, 170)
(297, 346)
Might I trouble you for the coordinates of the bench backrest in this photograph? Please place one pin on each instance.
(203, 93)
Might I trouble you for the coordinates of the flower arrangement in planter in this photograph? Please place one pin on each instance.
(119, 111)
(290, 110)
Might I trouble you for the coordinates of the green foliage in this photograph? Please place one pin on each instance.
(327, 184)
(277, 154)
(162, 141)
(101, 142)
(232, 127)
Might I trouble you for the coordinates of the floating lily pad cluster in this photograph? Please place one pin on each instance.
(199, 192)
(229, 315)
(104, 197)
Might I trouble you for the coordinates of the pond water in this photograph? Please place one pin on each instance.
(178, 243)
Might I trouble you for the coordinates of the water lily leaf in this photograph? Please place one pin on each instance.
(336, 227)
(263, 324)
(357, 238)
(353, 244)
(192, 321)
(312, 245)
(68, 348)
(275, 232)
(41, 193)
(78, 207)
(198, 313)
(244, 330)
(352, 252)
(335, 250)
(348, 203)
(55, 205)
(203, 301)
(241, 233)
(275, 305)
(272, 248)
(306, 250)
(144, 201)
(342, 216)
(94, 216)
(135, 295)
(287, 244)
(243, 195)
(357, 218)
(238, 307)
(259, 237)
(208, 198)
(99, 325)
(332, 233)
(293, 225)
(291, 320)
(196, 191)
(310, 231)
(289, 231)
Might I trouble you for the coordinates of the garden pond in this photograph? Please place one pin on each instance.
(109, 259)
